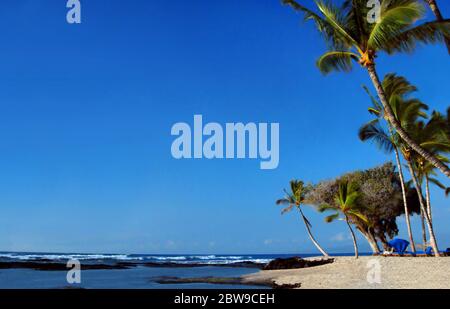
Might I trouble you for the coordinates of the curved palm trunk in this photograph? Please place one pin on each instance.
(433, 242)
(437, 12)
(427, 196)
(355, 245)
(371, 240)
(398, 128)
(405, 203)
(310, 234)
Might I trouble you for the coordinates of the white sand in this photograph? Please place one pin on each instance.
(351, 273)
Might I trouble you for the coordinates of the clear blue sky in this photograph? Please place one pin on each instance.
(86, 113)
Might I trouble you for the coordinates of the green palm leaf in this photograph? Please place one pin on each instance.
(336, 61)
(375, 133)
(427, 33)
(395, 17)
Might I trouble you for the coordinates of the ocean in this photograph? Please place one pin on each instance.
(125, 271)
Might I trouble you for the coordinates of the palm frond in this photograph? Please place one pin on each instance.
(358, 215)
(394, 18)
(375, 133)
(332, 217)
(283, 201)
(427, 33)
(336, 61)
(376, 108)
(437, 183)
(287, 209)
(334, 18)
(325, 207)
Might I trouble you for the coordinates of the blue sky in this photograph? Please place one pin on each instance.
(86, 113)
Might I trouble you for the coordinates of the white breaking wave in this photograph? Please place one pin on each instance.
(166, 258)
(68, 256)
(181, 259)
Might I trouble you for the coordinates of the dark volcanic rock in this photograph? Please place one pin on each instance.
(247, 264)
(286, 286)
(54, 266)
(295, 262)
(212, 280)
(223, 280)
(58, 266)
(215, 280)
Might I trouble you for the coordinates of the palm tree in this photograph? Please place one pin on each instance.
(434, 136)
(437, 12)
(351, 37)
(295, 199)
(426, 173)
(406, 111)
(346, 205)
(387, 142)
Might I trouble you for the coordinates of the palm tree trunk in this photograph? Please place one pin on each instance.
(437, 12)
(427, 195)
(423, 210)
(310, 234)
(397, 126)
(405, 203)
(355, 245)
(385, 244)
(424, 232)
(371, 240)
(422, 219)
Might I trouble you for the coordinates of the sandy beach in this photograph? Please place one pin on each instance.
(351, 273)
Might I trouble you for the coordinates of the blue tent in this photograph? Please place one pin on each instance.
(399, 245)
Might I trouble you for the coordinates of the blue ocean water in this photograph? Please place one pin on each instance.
(173, 258)
(134, 278)
(139, 277)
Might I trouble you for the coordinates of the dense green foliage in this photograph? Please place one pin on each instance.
(379, 200)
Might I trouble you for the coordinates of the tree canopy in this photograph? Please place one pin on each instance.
(380, 198)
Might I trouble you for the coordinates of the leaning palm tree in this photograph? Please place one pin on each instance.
(406, 111)
(295, 199)
(350, 37)
(437, 12)
(347, 206)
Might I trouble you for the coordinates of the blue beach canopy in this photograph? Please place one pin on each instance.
(399, 245)
(429, 251)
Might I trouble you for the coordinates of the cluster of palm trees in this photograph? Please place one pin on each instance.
(400, 124)
(432, 133)
(345, 207)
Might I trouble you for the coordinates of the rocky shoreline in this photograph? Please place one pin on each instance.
(47, 265)
(224, 280)
(277, 264)
(55, 266)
